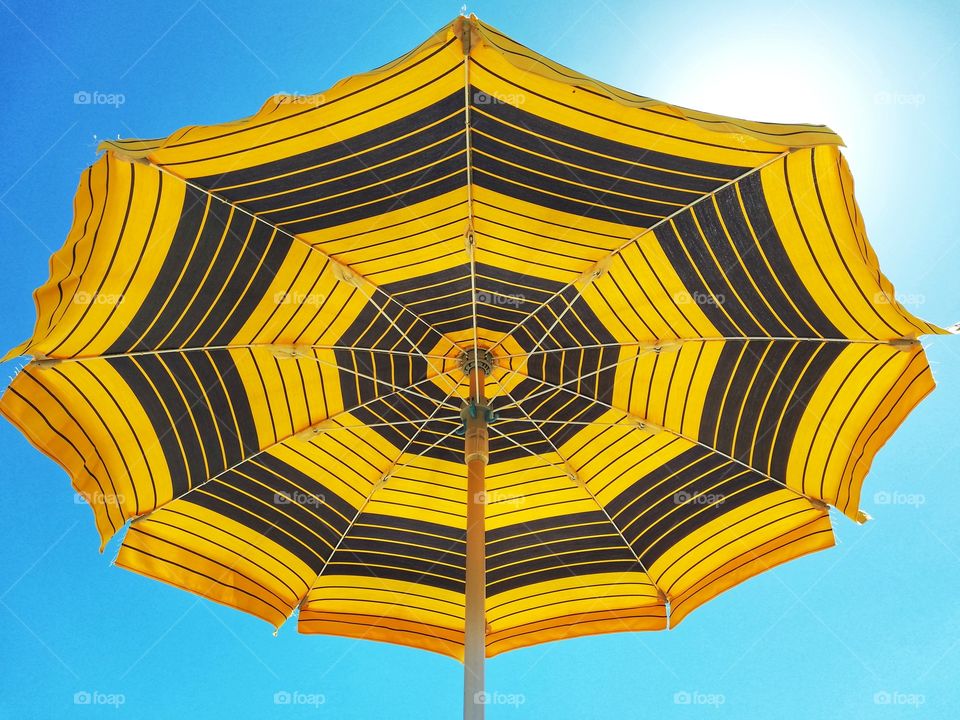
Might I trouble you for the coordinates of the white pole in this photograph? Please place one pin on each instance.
(475, 622)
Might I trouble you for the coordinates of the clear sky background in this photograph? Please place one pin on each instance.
(869, 629)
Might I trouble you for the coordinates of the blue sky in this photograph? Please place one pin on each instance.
(870, 629)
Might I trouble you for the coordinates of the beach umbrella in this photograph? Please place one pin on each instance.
(468, 353)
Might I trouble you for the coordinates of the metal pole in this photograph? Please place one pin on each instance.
(476, 454)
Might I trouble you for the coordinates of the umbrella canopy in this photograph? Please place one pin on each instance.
(663, 333)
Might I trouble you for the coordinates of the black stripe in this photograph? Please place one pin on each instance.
(770, 242)
(594, 157)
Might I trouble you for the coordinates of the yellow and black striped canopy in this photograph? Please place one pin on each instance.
(249, 343)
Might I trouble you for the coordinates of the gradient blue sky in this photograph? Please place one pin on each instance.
(869, 629)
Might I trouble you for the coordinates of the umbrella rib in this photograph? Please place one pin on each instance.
(293, 236)
(650, 230)
(369, 496)
(581, 484)
(452, 419)
(641, 423)
(243, 346)
(584, 423)
(471, 238)
(897, 342)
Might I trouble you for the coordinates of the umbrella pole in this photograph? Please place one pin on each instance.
(476, 453)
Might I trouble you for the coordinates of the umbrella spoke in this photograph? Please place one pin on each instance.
(455, 420)
(666, 342)
(247, 346)
(470, 237)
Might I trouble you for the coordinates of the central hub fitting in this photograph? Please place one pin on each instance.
(471, 360)
(476, 414)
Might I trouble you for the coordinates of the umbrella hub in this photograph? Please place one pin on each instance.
(476, 358)
(476, 364)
